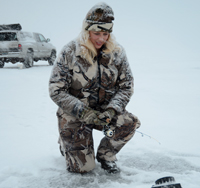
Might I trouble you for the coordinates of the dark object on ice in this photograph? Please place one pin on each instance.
(166, 182)
(109, 166)
(11, 27)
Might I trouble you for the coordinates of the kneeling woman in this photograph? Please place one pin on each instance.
(91, 82)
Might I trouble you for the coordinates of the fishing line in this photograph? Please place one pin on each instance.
(143, 134)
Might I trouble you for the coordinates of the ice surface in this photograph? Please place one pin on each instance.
(168, 111)
(161, 40)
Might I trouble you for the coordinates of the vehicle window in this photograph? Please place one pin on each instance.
(42, 39)
(37, 37)
(28, 35)
(22, 36)
(8, 36)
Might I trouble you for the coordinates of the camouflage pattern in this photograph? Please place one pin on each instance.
(76, 84)
(101, 12)
(124, 127)
(77, 142)
(99, 18)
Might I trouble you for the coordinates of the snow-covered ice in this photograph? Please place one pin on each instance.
(161, 39)
(165, 99)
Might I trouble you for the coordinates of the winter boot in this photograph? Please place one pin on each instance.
(109, 166)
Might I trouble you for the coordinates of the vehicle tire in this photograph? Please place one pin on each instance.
(2, 64)
(52, 58)
(29, 59)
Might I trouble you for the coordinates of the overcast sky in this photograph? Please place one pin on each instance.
(149, 30)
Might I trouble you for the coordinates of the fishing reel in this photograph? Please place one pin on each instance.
(107, 131)
(166, 182)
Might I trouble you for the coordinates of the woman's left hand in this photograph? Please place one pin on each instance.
(105, 117)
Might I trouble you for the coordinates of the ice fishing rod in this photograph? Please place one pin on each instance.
(143, 134)
(109, 133)
(106, 130)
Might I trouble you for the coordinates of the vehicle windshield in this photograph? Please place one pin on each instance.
(8, 36)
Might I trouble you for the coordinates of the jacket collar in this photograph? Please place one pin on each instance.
(78, 49)
(105, 60)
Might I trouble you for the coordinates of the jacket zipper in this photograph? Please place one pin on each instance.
(99, 69)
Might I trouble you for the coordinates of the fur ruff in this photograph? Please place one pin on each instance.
(88, 50)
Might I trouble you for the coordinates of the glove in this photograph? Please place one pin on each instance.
(105, 117)
(88, 115)
(108, 114)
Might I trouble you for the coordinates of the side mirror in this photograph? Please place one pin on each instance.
(48, 39)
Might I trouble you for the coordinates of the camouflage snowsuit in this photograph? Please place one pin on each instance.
(74, 84)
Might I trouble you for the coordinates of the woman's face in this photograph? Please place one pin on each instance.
(98, 39)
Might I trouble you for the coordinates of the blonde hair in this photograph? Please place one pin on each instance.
(88, 50)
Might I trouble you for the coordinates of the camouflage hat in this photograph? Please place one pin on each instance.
(99, 18)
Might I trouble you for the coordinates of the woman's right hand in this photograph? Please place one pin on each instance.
(90, 116)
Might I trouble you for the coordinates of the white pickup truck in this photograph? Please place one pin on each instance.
(26, 47)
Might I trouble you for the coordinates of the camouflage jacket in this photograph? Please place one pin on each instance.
(75, 83)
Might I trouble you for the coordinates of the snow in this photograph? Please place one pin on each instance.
(167, 103)
(162, 46)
